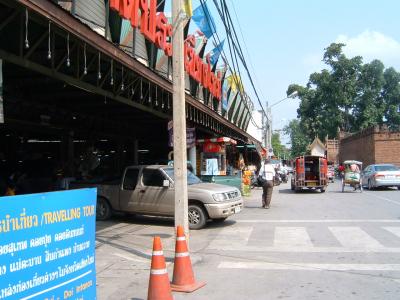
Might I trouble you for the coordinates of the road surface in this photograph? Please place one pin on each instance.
(309, 245)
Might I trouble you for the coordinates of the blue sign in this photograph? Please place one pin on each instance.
(47, 245)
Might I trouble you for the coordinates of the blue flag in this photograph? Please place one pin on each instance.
(203, 19)
(224, 98)
(216, 52)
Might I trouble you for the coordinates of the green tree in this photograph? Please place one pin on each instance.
(279, 149)
(369, 105)
(391, 96)
(348, 96)
(298, 138)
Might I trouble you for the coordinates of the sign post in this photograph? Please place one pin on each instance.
(47, 245)
(179, 118)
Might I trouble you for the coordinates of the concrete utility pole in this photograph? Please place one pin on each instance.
(179, 118)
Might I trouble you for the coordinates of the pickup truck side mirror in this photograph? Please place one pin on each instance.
(166, 183)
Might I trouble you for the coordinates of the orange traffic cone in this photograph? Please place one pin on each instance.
(183, 279)
(159, 286)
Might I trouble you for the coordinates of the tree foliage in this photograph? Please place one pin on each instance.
(279, 149)
(348, 95)
(298, 138)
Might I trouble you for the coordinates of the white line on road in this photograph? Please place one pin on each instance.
(292, 237)
(354, 237)
(394, 230)
(308, 266)
(234, 236)
(383, 198)
(321, 221)
(246, 248)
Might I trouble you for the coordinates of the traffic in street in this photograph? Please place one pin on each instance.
(308, 245)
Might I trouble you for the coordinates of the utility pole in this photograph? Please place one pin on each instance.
(267, 128)
(179, 118)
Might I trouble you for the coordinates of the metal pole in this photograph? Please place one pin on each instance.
(179, 118)
(269, 126)
(266, 129)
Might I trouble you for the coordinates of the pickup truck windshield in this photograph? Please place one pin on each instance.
(191, 178)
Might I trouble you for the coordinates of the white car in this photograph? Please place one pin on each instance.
(380, 175)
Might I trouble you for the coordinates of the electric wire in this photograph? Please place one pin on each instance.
(224, 56)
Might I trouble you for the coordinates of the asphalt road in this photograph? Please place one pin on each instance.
(308, 245)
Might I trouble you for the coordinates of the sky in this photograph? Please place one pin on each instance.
(285, 41)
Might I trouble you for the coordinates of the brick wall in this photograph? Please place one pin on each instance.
(371, 146)
(332, 150)
(387, 147)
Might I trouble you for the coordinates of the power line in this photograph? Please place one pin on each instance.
(224, 56)
(239, 49)
(245, 48)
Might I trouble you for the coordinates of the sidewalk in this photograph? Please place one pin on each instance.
(124, 244)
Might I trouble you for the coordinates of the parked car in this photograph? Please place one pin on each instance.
(149, 190)
(381, 175)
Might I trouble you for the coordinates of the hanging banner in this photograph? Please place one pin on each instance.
(47, 245)
(225, 88)
(190, 136)
(1, 93)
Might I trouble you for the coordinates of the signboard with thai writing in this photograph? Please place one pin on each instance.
(47, 245)
(156, 29)
(190, 136)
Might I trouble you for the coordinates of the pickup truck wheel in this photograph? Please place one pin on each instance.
(197, 217)
(103, 209)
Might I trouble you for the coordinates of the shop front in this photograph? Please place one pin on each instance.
(74, 100)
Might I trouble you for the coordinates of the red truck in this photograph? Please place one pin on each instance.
(310, 172)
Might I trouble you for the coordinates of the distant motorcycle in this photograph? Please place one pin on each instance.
(277, 178)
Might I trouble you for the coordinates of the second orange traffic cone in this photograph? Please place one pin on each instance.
(159, 286)
(183, 278)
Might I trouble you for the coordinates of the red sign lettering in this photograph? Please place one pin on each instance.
(154, 26)
(199, 70)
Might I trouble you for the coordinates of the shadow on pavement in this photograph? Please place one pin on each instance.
(130, 220)
(286, 191)
(109, 241)
(304, 191)
(134, 220)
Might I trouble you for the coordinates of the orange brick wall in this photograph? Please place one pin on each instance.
(372, 146)
(387, 147)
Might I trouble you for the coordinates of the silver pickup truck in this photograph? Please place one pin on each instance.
(149, 190)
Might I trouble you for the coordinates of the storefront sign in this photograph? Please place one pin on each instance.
(47, 245)
(209, 147)
(190, 136)
(199, 70)
(155, 27)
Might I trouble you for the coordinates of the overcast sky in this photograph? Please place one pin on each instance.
(285, 40)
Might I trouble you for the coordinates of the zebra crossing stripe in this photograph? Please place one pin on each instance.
(354, 237)
(394, 230)
(307, 266)
(296, 239)
(292, 237)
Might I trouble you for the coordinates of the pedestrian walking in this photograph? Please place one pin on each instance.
(268, 175)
